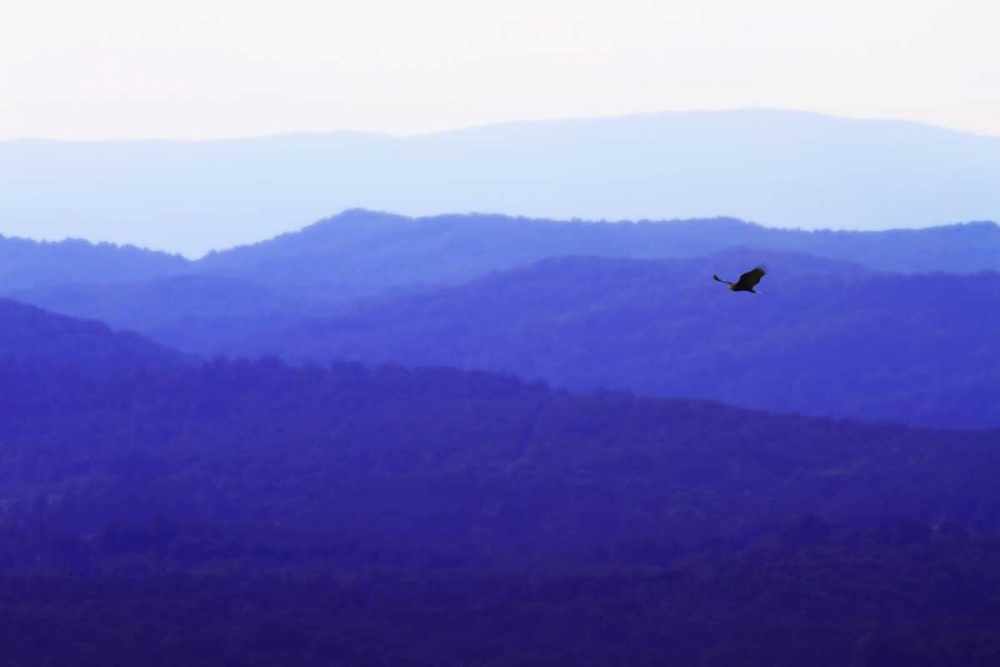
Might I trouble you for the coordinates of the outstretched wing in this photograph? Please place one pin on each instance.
(749, 279)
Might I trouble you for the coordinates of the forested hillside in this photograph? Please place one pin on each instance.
(473, 463)
(26, 264)
(365, 252)
(362, 253)
(893, 594)
(821, 338)
(192, 312)
(253, 513)
(31, 335)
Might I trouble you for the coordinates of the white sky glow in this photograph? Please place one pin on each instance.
(116, 69)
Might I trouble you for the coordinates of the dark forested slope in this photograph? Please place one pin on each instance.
(31, 335)
(897, 594)
(463, 462)
(251, 513)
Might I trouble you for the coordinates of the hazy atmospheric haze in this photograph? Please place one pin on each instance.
(197, 70)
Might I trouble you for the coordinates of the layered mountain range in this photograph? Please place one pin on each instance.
(894, 325)
(470, 465)
(317, 450)
(781, 168)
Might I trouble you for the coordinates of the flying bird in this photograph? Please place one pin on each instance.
(747, 281)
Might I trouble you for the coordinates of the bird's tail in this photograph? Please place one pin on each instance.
(715, 277)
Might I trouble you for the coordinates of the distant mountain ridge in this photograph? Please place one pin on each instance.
(324, 268)
(372, 252)
(25, 264)
(787, 169)
(361, 253)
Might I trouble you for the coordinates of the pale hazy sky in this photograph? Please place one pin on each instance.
(179, 69)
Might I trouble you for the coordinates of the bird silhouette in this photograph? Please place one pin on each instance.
(747, 281)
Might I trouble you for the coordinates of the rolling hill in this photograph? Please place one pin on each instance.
(361, 254)
(33, 337)
(343, 514)
(823, 337)
(26, 264)
(187, 311)
(479, 466)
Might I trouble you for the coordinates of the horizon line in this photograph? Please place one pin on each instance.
(400, 136)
